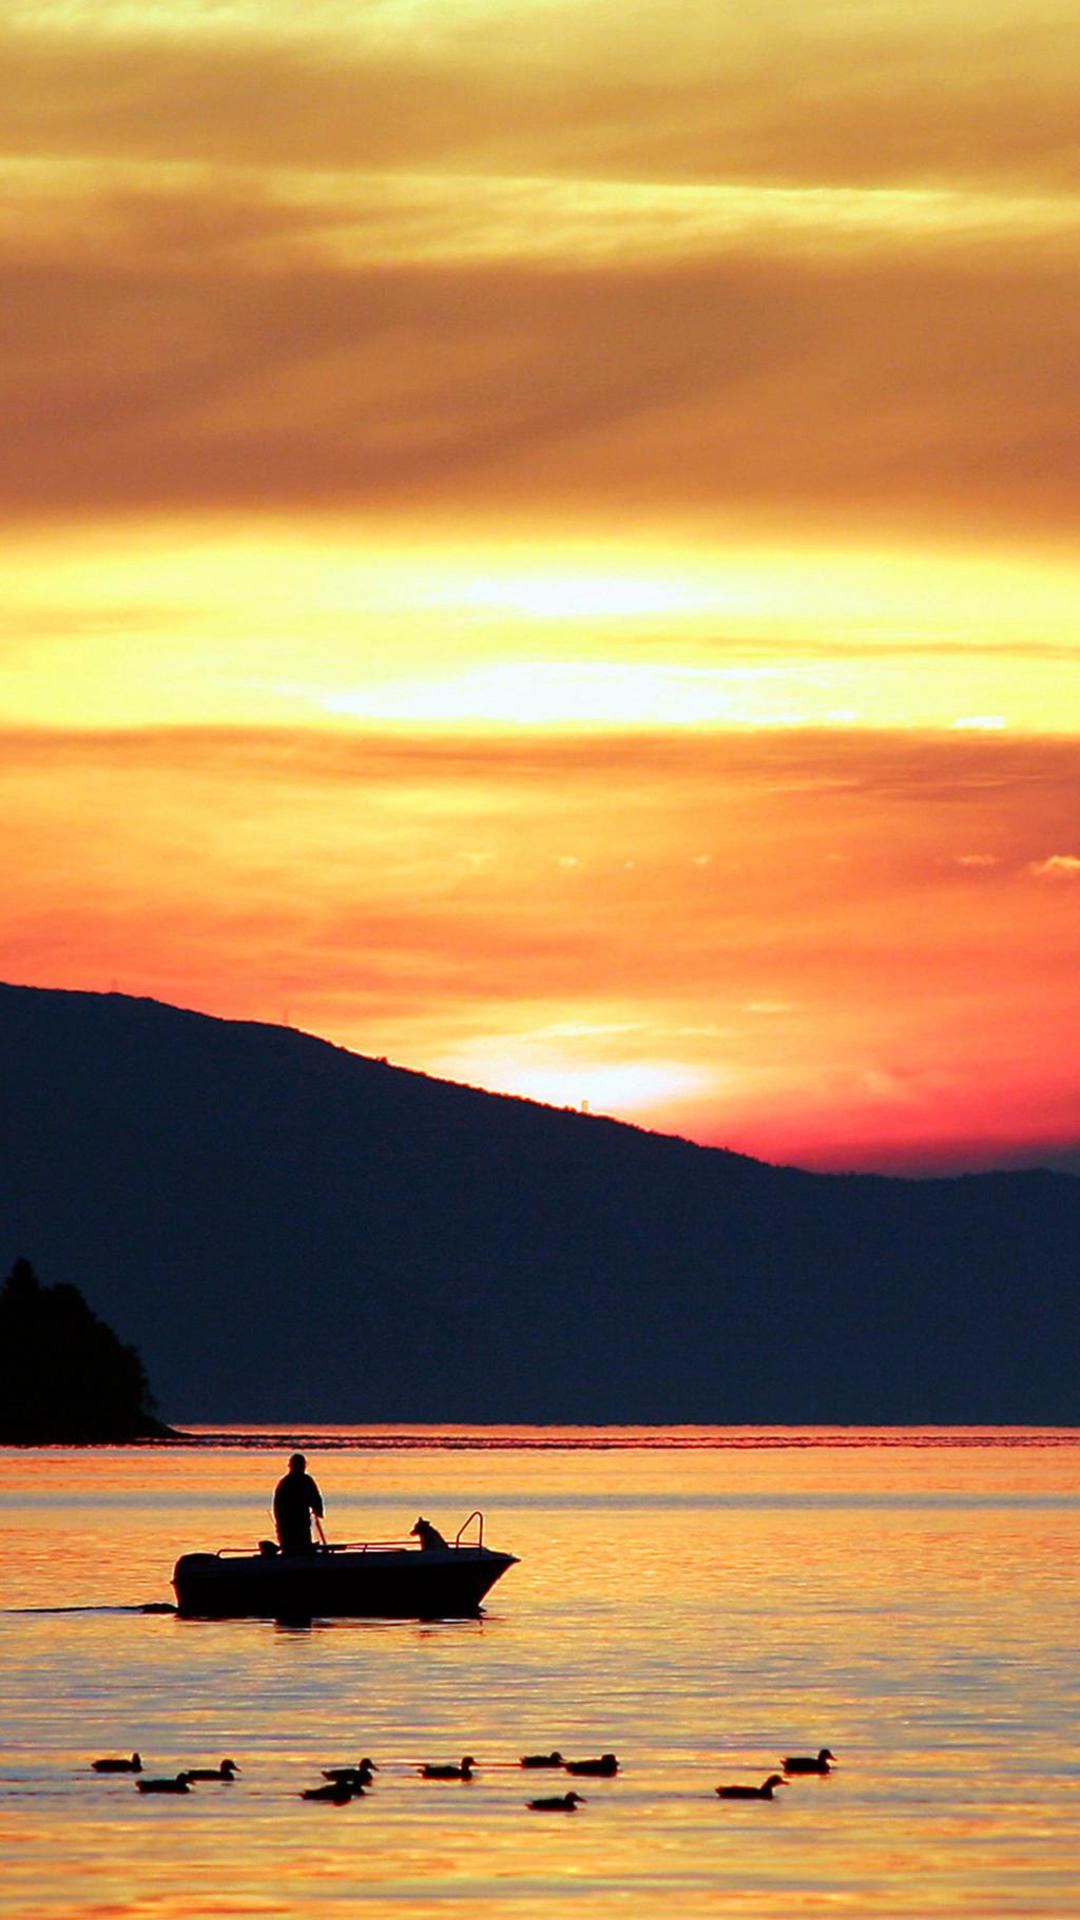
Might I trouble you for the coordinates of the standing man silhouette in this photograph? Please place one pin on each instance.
(296, 1500)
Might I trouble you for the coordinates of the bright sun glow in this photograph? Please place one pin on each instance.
(538, 693)
(175, 627)
(633, 1087)
(599, 596)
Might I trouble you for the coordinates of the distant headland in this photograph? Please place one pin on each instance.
(64, 1375)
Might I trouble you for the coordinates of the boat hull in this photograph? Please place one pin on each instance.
(385, 1585)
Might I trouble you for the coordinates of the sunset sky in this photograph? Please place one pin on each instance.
(540, 542)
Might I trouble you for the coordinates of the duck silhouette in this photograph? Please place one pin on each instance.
(604, 1767)
(462, 1772)
(179, 1783)
(227, 1770)
(764, 1792)
(110, 1765)
(337, 1793)
(362, 1773)
(807, 1763)
(557, 1803)
(542, 1760)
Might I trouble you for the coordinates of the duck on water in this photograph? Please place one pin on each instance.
(343, 1784)
(360, 1774)
(227, 1770)
(764, 1792)
(425, 1577)
(451, 1771)
(821, 1762)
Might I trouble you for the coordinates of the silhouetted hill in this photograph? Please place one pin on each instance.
(292, 1233)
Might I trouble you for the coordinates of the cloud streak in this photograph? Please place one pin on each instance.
(426, 259)
(585, 90)
(753, 379)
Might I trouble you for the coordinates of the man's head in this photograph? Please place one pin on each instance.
(297, 1463)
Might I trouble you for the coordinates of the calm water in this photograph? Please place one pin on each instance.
(702, 1603)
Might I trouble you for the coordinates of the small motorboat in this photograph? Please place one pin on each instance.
(383, 1580)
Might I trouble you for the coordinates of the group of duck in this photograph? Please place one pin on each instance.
(172, 1783)
(345, 1783)
(348, 1783)
(795, 1763)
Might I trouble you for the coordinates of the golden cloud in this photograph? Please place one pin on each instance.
(593, 90)
(187, 350)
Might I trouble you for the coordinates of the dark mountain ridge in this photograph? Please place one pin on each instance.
(290, 1232)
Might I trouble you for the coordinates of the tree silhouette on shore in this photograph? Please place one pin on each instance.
(64, 1374)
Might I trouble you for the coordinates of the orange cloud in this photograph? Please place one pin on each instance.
(756, 381)
(429, 261)
(591, 89)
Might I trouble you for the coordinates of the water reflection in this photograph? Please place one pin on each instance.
(700, 1610)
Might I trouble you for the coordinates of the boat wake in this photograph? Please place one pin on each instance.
(146, 1606)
